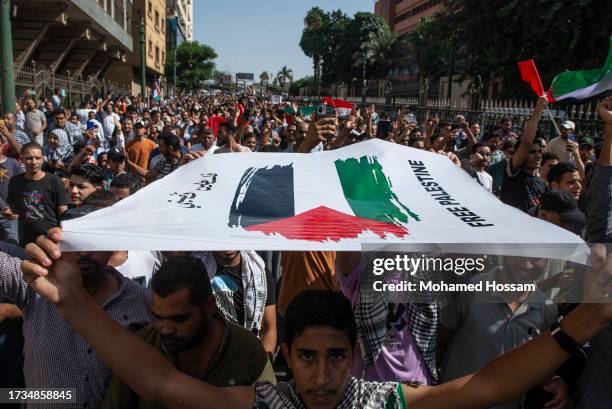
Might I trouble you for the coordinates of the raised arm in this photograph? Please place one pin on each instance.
(143, 368)
(529, 134)
(513, 373)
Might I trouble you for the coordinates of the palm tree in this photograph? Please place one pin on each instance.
(285, 74)
(264, 77)
(312, 38)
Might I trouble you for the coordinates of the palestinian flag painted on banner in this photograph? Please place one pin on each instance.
(365, 187)
(582, 84)
(343, 107)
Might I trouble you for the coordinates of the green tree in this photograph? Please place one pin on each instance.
(491, 37)
(357, 45)
(264, 77)
(284, 76)
(313, 41)
(194, 64)
(294, 88)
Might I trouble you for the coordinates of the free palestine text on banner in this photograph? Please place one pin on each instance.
(373, 192)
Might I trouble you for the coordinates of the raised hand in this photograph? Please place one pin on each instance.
(604, 108)
(53, 275)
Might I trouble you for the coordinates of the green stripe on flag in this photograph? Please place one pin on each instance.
(308, 110)
(369, 192)
(584, 84)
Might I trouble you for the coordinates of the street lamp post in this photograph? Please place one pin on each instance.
(143, 62)
(6, 53)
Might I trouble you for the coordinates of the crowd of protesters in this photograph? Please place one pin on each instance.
(238, 318)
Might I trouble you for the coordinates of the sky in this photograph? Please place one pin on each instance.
(255, 35)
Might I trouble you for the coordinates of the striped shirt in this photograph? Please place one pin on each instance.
(164, 167)
(56, 356)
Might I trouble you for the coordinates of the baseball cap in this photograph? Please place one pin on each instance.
(91, 124)
(563, 203)
(587, 140)
(568, 125)
(115, 154)
(138, 124)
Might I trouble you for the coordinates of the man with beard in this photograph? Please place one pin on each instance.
(521, 186)
(226, 139)
(190, 334)
(37, 197)
(56, 356)
(486, 324)
(479, 161)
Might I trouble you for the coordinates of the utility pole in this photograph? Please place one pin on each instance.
(364, 85)
(143, 60)
(6, 55)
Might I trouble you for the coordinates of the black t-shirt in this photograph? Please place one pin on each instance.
(232, 276)
(522, 190)
(36, 202)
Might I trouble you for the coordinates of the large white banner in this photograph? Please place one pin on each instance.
(373, 192)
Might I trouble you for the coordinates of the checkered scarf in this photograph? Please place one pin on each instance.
(359, 394)
(253, 285)
(371, 317)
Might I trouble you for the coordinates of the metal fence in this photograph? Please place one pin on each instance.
(41, 82)
(489, 113)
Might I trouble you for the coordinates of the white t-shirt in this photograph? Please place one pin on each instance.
(108, 124)
(199, 147)
(139, 266)
(485, 180)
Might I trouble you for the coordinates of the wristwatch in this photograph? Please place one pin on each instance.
(567, 343)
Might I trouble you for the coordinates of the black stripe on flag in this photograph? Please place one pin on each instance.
(263, 195)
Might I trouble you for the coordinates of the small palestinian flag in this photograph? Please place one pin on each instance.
(265, 201)
(582, 84)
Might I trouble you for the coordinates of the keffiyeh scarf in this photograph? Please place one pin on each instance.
(359, 394)
(371, 317)
(253, 286)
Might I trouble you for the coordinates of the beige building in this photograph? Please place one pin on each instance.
(154, 12)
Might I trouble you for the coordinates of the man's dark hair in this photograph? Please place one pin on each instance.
(320, 308)
(90, 172)
(59, 112)
(78, 146)
(556, 172)
(442, 124)
(129, 181)
(30, 145)
(228, 126)
(101, 199)
(478, 145)
(170, 140)
(504, 120)
(510, 144)
(546, 156)
(183, 272)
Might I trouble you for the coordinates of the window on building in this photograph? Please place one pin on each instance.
(163, 25)
(150, 48)
(156, 19)
(157, 55)
(150, 10)
(163, 56)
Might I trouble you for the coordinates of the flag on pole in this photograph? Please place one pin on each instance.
(343, 107)
(530, 75)
(156, 91)
(582, 84)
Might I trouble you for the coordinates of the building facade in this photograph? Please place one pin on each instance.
(74, 38)
(404, 15)
(154, 14)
